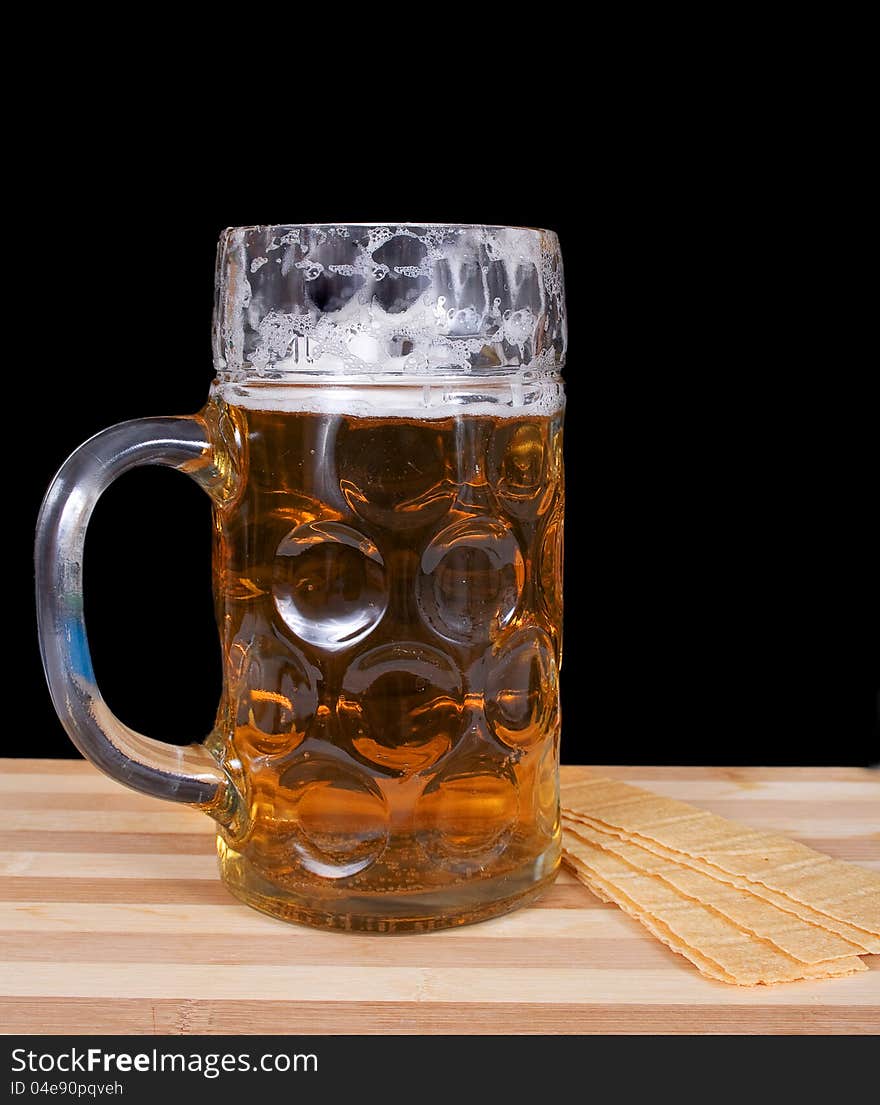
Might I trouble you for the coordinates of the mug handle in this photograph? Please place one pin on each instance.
(189, 774)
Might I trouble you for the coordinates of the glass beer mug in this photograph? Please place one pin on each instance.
(383, 448)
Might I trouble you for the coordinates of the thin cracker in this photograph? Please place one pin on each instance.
(861, 940)
(706, 966)
(842, 891)
(610, 894)
(803, 941)
(748, 960)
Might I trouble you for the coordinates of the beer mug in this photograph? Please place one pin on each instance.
(382, 445)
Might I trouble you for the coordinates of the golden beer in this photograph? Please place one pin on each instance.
(388, 593)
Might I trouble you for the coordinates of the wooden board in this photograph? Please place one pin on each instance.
(112, 919)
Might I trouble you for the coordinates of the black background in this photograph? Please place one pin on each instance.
(719, 599)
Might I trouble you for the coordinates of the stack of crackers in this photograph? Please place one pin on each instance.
(743, 905)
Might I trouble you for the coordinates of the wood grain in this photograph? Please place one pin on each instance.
(112, 919)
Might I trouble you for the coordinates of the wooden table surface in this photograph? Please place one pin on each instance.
(113, 919)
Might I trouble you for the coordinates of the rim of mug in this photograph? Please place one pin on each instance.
(389, 224)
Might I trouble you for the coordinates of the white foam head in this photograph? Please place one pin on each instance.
(390, 300)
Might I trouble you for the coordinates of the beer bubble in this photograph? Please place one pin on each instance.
(518, 468)
(471, 577)
(547, 787)
(550, 557)
(330, 817)
(329, 584)
(394, 474)
(277, 698)
(468, 811)
(400, 706)
(521, 689)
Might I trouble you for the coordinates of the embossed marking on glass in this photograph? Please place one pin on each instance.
(382, 445)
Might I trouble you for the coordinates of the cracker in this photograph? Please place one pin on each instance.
(609, 894)
(748, 960)
(842, 891)
(803, 941)
(703, 963)
(861, 940)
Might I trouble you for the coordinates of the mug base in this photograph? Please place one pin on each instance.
(461, 904)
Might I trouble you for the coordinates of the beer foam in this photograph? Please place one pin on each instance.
(359, 299)
(423, 399)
